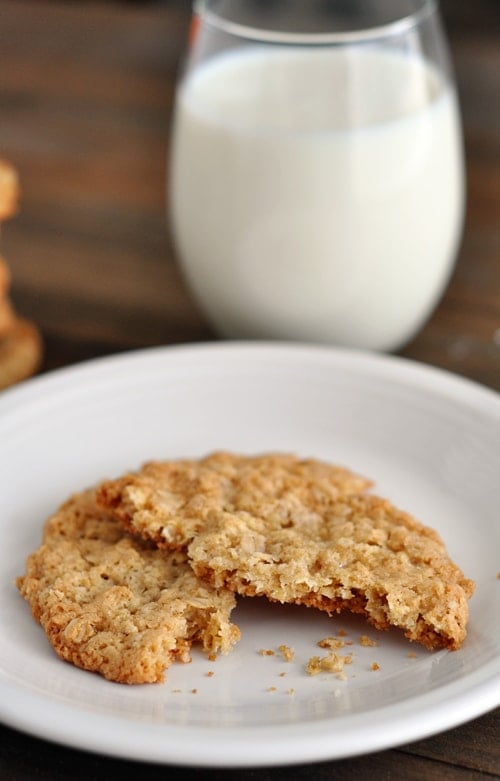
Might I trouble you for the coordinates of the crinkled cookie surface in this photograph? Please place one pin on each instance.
(362, 555)
(170, 502)
(112, 604)
(133, 572)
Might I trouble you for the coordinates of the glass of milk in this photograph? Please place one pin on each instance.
(316, 172)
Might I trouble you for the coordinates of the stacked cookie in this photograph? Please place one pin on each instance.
(20, 341)
(135, 570)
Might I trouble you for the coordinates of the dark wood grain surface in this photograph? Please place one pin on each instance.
(86, 95)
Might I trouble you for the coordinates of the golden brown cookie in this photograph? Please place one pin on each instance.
(9, 190)
(170, 502)
(360, 554)
(4, 277)
(20, 352)
(7, 316)
(112, 604)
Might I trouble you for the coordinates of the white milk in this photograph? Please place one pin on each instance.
(333, 216)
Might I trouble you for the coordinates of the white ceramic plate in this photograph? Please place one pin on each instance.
(430, 440)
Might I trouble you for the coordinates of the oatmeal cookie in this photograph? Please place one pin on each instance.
(113, 604)
(170, 502)
(360, 554)
(20, 352)
(7, 316)
(9, 190)
(4, 277)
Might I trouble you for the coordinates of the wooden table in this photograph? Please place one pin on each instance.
(85, 104)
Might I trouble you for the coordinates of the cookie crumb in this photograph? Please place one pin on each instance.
(367, 641)
(375, 666)
(287, 653)
(194, 691)
(271, 689)
(331, 642)
(282, 675)
(212, 657)
(412, 655)
(266, 652)
(313, 666)
(333, 663)
(210, 674)
(291, 691)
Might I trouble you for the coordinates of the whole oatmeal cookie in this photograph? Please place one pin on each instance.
(170, 502)
(361, 554)
(4, 277)
(7, 316)
(21, 352)
(9, 190)
(115, 605)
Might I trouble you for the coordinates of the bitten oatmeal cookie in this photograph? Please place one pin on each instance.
(360, 554)
(171, 502)
(115, 605)
(21, 352)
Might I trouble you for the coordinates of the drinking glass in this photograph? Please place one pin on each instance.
(316, 169)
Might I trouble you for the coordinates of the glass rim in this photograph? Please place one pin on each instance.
(389, 29)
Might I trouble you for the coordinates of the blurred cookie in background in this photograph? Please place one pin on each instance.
(21, 345)
(21, 352)
(7, 315)
(4, 277)
(9, 190)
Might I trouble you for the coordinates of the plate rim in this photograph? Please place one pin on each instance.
(144, 746)
(426, 373)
